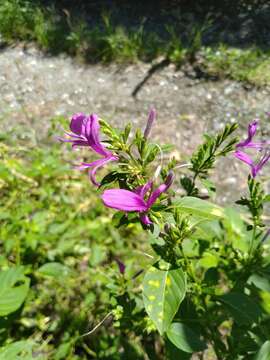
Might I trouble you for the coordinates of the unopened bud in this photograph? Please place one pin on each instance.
(151, 118)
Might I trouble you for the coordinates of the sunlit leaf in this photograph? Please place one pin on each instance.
(18, 350)
(198, 207)
(54, 269)
(163, 292)
(264, 352)
(14, 287)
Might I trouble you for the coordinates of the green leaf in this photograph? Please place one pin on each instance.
(14, 287)
(173, 353)
(184, 338)
(261, 282)
(208, 260)
(264, 352)
(163, 292)
(54, 269)
(210, 186)
(19, 350)
(243, 309)
(197, 207)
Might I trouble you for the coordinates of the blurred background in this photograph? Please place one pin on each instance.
(201, 64)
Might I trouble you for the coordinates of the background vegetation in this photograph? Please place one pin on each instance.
(214, 40)
(56, 234)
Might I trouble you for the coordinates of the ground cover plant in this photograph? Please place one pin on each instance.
(180, 38)
(136, 261)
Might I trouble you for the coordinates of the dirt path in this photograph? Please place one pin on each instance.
(35, 88)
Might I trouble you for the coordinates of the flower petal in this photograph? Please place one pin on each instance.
(243, 157)
(76, 123)
(123, 200)
(161, 189)
(256, 168)
(252, 128)
(99, 164)
(92, 135)
(142, 190)
(145, 219)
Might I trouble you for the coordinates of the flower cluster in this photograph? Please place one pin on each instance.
(85, 132)
(262, 148)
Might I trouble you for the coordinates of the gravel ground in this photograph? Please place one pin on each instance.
(34, 88)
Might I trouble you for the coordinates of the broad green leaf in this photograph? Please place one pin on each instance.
(184, 338)
(173, 353)
(163, 292)
(243, 308)
(261, 282)
(14, 287)
(236, 230)
(198, 207)
(264, 352)
(19, 350)
(208, 260)
(54, 269)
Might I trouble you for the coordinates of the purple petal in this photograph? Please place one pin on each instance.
(76, 123)
(252, 128)
(243, 157)
(145, 219)
(151, 118)
(102, 162)
(97, 164)
(256, 168)
(161, 189)
(123, 200)
(92, 134)
(142, 190)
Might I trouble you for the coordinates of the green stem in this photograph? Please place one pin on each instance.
(252, 241)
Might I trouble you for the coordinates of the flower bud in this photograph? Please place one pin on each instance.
(151, 118)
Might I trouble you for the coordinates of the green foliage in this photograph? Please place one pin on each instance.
(184, 338)
(14, 289)
(163, 292)
(198, 208)
(248, 65)
(57, 30)
(205, 156)
(264, 352)
(71, 284)
(54, 231)
(256, 200)
(18, 350)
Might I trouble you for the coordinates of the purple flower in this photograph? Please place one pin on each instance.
(137, 200)
(151, 118)
(85, 132)
(261, 147)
